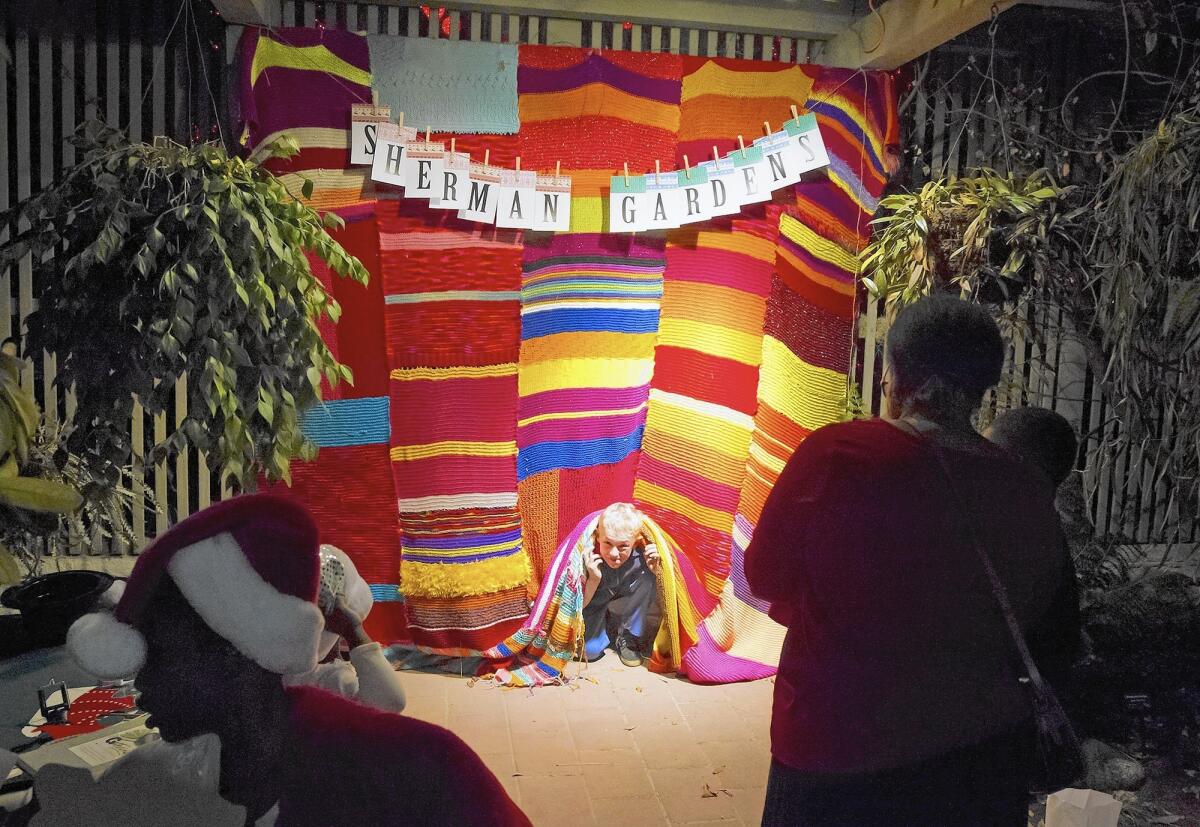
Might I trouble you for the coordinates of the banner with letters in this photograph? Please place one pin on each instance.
(541, 201)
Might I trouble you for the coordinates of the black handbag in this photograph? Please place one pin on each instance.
(1060, 758)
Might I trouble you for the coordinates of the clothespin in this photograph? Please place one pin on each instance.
(626, 173)
(427, 134)
(687, 169)
(742, 144)
(518, 163)
(767, 127)
(558, 169)
(452, 142)
(487, 157)
(795, 113)
(400, 120)
(657, 170)
(716, 155)
(374, 97)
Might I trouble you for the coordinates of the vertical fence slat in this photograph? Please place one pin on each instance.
(870, 329)
(6, 311)
(182, 477)
(24, 181)
(138, 441)
(161, 481)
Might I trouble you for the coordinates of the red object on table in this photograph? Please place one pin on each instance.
(86, 711)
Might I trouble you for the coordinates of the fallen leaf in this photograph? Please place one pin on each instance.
(517, 774)
(719, 770)
(630, 728)
(708, 792)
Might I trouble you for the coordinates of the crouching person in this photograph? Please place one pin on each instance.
(620, 594)
(216, 612)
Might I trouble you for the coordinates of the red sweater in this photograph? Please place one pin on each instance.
(354, 765)
(896, 650)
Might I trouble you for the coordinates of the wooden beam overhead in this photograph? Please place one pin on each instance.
(902, 30)
(249, 12)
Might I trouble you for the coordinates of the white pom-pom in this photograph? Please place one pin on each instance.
(105, 647)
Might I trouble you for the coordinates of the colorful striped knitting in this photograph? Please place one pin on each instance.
(589, 302)
(302, 82)
(531, 381)
(539, 652)
(807, 335)
(702, 400)
(451, 310)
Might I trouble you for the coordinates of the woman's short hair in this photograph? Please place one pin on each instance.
(1039, 436)
(946, 338)
(621, 521)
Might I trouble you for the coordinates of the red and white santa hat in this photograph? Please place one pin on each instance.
(248, 566)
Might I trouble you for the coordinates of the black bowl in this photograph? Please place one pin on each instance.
(51, 603)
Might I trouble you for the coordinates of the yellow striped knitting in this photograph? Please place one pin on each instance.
(270, 53)
(462, 372)
(466, 579)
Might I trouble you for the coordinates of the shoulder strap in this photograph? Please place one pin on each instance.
(998, 590)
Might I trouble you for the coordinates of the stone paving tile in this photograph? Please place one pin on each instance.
(551, 800)
(615, 774)
(683, 795)
(738, 763)
(749, 804)
(620, 748)
(645, 811)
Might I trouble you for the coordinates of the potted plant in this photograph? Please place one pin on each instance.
(156, 263)
(36, 503)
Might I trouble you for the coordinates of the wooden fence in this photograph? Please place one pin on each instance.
(158, 68)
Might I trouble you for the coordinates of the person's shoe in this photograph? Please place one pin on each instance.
(627, 651)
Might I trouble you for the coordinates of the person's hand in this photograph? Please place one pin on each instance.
(592, 562)
(346, 622)
(653, 561)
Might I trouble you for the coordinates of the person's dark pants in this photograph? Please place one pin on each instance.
(630, 608)
(983, 785)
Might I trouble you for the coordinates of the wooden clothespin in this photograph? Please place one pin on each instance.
(657, 170)
(687, 169)
(716, 155)
(400, 120)
(626, 173)
(518, 163)
(374, 97)
(795, 113)
(742, 144)
(767, 127)
(558, 169)
(452, 142)
(427, 134)
(487, 157)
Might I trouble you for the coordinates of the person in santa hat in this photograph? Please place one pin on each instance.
(367, 677)
(215, 613)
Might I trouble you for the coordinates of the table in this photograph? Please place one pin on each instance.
(20, 678)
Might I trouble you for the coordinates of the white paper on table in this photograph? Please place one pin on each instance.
(1082, 808)
(108, 748)
(552, 210)
(516, 200)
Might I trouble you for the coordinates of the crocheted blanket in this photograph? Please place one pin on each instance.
(540, 651)
(449, 86)
(531, 380)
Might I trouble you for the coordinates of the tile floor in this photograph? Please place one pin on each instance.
(619, 746)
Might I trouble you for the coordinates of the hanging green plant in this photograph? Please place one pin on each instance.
(156, 262)
(983, 235)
